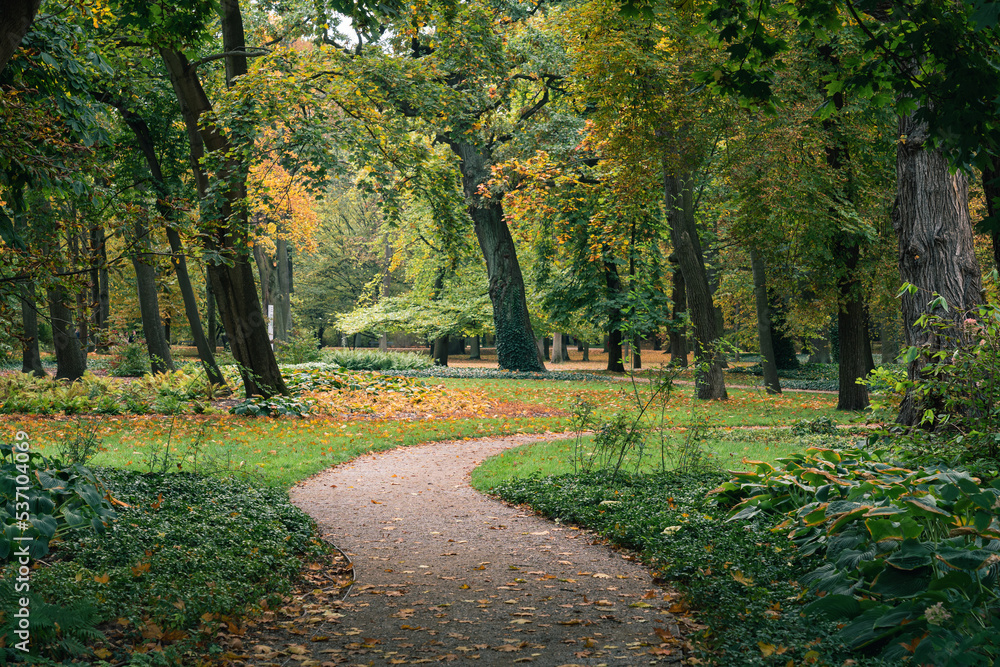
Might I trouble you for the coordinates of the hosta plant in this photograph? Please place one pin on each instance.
(909, 559)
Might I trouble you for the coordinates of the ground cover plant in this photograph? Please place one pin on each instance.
(187, 554)
(374, 360)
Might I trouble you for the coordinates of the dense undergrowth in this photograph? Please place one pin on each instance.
(187, 554)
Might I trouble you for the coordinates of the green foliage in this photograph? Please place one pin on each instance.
(374, 360)
(186, 548)
(300, 349)
(58, 631)
(275, 406)
(59, 500)
(819, 426)
(909, 556)
(129, 358)
(957, 392)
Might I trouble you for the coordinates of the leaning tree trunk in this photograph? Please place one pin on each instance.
(709, 380)
(160, 360)
(515, 341)
(936, 251)
(31, 361)
(177, 258)
(771, 382)
(224, 219)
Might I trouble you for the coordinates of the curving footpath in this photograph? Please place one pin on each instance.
(445, 574)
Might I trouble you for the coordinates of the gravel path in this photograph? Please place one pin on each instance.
(444, 573)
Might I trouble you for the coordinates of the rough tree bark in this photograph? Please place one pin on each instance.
(771, 382)
(709, 380)
(515, 340)
(15, 19)
(224, 218)
(936, 252)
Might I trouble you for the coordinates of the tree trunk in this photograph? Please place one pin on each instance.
(31, 361)
(709, 380)
(771, 382)
(283, 302)
(474, 348)
(160, 360)
(852, 364)
(557, 346)
(586, 351)
(636, 352)
(383, 340)
(224, 219)
(678, 341)
(15, 19)
(515, 340)
(98, 289)
(441, 351)
(205, 351)
(614, 285)
(210, 315)
(936, 251)
(71, 363)
(564, 348)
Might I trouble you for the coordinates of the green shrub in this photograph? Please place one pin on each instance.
(275, 406)
(957, 394)
(128, 358)
(300, 349)
(187, 551)
(910, 558)
(374, 360)
(59, 500)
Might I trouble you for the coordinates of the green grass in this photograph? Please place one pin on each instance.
(725, 450)
(282, 451)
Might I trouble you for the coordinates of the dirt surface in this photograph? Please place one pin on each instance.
(445, 574)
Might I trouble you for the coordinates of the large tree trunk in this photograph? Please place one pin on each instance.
(31, 361)
(515, 340)
(852, 334)
(936, 252)
(441, 350)
(614, 285)
(160, 360)
(224, 221)
(71, 362)
(557, 348)
(684, 235)
(15, 19)
(771, 382)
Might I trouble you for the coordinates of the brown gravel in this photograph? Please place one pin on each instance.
(446, 574)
